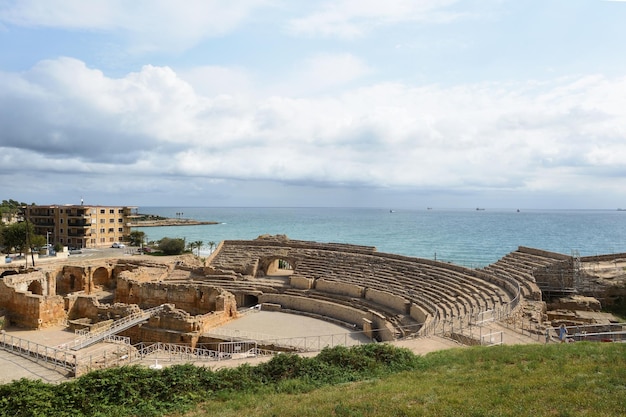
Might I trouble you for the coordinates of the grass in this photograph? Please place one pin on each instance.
(579, 379)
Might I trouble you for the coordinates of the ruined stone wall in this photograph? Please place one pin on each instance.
(31, 311)
(177, 326)
(83, 306)
(603, 258)
(194, 298)
(341, 288)
(72, 279)
(558, 275)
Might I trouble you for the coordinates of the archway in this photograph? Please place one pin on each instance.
(35, 288)
(278, 266)
(102, 278)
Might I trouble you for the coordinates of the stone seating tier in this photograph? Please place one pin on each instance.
(461, 289)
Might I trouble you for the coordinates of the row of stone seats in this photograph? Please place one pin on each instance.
(452, 289)
(361, 269)
(466, 290)
(521, 265)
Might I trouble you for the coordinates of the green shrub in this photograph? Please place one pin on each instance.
(170, 246)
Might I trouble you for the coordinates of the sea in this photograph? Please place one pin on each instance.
(470, 237)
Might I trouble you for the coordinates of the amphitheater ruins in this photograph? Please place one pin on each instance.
(177, 301)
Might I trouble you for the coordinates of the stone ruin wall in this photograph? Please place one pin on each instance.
(28, 310)
(67, 293)
(194, 298)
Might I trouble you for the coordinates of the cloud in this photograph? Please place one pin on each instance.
(353, 18)
(147, 25)
(61, 117)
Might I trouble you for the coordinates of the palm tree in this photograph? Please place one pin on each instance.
(211, 246)
(198, 244)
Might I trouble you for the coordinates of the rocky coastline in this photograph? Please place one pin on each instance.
(168, 222)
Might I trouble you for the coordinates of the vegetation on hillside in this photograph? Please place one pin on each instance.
(576, 379)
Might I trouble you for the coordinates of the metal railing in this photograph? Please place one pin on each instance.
(301, 343)
(46, 355)
(89, 338)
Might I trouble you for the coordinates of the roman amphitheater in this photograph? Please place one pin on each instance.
(135, 308)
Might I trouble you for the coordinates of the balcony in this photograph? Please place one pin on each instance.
(83, 223)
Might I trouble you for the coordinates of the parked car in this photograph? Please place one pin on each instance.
(118, 245)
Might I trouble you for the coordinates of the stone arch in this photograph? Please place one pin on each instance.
(277, 265)
(35, 287)
(102, 277)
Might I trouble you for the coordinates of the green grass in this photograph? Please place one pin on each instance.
(577, 379)
(581, 379)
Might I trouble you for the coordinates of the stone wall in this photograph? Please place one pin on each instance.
(341, 288)
(195, 298)
(386, 299)
(31, 311)
(318, 307)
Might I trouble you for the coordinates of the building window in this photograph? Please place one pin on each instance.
(61, 211)
(111, 220)
(111, 230)
(121, 230)
(111, 211)
(61, 221)
(121, 211)
(101, 211)
(60, 230)
(120, 220)
(102, 230)
(102, 220)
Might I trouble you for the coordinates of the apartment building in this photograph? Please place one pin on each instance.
(81, 226)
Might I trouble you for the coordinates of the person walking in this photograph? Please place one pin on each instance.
(562, 333)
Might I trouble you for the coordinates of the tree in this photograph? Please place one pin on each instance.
(198, 244)
(16, 236)
(211, 246)
(172, 246)
(136, 238)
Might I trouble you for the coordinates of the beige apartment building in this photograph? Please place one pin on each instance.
(81, 226)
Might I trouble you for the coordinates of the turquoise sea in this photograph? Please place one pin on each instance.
(468, 237)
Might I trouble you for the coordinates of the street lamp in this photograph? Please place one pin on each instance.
(47, 243)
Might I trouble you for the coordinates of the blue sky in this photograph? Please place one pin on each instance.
(412, 104)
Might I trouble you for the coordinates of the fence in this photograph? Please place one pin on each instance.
(45, 355)
(302, 343)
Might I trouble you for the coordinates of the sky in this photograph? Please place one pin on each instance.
(350, 103)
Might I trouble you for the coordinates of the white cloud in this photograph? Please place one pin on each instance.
(321, 73)
(62, 116)
(353, 18)
(147, 24)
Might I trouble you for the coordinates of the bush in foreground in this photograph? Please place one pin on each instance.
(135, 390)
